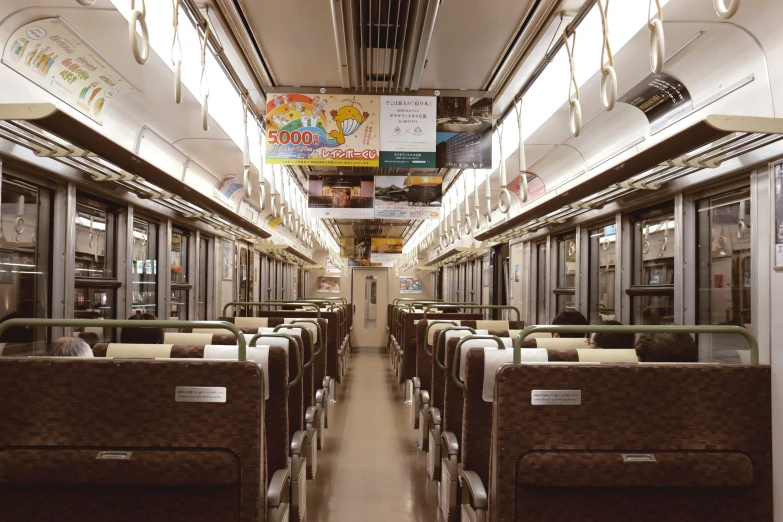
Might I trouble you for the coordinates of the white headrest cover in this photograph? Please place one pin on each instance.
(194, 338)
(435, 328)
(487, 344)
(492, 325)
(561, 343)
(251, 322)
(138, 351)
(494, 359)
(310, 326)
(463, 333)
(614, 355)
(258, 355)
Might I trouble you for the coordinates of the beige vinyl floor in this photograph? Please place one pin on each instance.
(370, 469)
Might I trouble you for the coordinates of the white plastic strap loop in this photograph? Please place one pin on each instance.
(204, 82)
(657, 43)
(176, 52)
(575, 112)
(741, 226)
(456, 221)
(476, 202)
(468, 226)
(522, 158)
(139, 17)
(608, 74)
(726, 11)
(504, 199)
(262, 164)
(246, 149)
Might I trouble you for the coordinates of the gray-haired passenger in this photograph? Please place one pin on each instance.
(69, 347)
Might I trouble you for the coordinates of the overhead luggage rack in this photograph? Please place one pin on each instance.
(457, 254)
(52, 133)
(287, 252)
(703, 145)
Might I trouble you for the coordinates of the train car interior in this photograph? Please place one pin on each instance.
(391, 260)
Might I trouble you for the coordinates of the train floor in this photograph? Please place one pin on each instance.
(370, 468)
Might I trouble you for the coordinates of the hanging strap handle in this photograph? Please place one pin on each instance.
(468, 226)
(176, 52)
(522, 159)
(246, 146)
(504, 199)
(726, 11)
(204, 82)
(608, 74)
(141, 54)
(575, 107)
(657, 43)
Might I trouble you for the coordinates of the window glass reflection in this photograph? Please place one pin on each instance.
(653, 276)
(144, 268)
(601, 302)
(566, 273)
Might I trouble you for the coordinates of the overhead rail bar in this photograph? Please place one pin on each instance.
(125, 323)
(48, 117)
(259, 304)
(706, 329)
(483, 307)
(704, 144)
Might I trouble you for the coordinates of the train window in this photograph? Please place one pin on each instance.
(652, 290)
(25, 222)
(180, 287)
(95, 277)
(724, 271)
(541, 268)
(600, 304)
(203, 280)
(144, 268)
(566, 273)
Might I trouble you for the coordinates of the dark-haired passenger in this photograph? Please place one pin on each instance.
(610, 339)
(667, 347)
(130, 335)
(569, 318)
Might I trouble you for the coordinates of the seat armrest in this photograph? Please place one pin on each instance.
(298, 442)
(416, 383)
(449, 441)
(472, 484)
(425, 398)
(310, 415)
(278, 488)
(435, 417)
(325, 382)
(319, 396)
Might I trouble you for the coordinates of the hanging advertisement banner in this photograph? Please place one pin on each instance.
(324, 129)
(464, 133)
(50, 53)
(340, 197)
(778, 232)
(663, 99)
(408, 131)
(385, 250)
(408, 197)
(229, 191)
(356, 250)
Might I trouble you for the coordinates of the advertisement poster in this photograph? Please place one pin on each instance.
(330, 264)
(464, 133)
(328, 285)
(385, 250)
(357, 251)
(662, 98)
(229, 191)
(410, 285)
(340, 197)
(779, 216)
(408, 197)
(535, 188)
(49, 53)
(228, 260)
(304, 129)
(408, 131)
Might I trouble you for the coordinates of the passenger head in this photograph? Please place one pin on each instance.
(611, 340)
(69, 347)
(141, 335)
(667, 347)
(569, 318)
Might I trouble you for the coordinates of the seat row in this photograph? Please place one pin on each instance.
(520, 426)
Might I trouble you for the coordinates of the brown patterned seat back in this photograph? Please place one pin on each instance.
(708, 427)
(476, 418)
(451, 414)
(189, 461)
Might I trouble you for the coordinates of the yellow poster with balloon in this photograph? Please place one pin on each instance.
(323, 129)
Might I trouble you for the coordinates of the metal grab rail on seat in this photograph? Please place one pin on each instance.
(455, 364)
(470, 305)
(738, 330)
(312, 355)
(292, 342)
(437, 340)
(258, 304)
(430, 325)
(126, 323)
